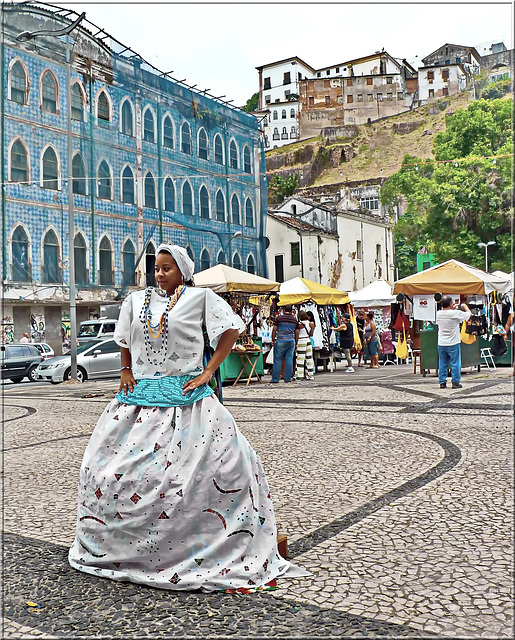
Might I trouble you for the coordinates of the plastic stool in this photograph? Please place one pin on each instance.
(486, 354)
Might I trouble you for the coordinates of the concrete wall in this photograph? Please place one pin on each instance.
(53, 315)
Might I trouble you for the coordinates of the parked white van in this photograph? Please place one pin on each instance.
(101, 328)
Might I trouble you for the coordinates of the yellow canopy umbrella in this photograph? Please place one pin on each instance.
(298, 290)
(451, 277)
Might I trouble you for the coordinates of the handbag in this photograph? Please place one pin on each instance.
(401, 350)
(498, 347)
(465, 336)
(270, 357)
(401, 322)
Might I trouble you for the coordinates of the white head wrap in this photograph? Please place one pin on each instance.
(181, 257)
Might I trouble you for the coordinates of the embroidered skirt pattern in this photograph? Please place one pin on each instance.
(175, 498)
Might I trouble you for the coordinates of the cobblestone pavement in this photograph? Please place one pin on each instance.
(397, 495)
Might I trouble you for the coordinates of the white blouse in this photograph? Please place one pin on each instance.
(196, 308)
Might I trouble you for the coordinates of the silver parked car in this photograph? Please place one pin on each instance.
(95, 359)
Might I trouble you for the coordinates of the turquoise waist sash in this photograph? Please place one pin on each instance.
(163, 392)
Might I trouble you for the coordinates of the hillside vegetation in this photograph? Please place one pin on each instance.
(377, 151)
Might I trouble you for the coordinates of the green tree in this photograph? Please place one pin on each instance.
(252, 103)
(280, 188)
(463, 195)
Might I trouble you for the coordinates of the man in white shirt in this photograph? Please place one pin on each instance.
(448, 320)
(25, 338)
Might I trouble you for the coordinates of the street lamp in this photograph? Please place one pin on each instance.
(483, 245)
(236, 234)
(24, 36)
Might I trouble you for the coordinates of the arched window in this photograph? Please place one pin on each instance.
(104, 181)
(18, 83)
(51, 270)
(50, 169)
(202, 144)
(204, 203)
(205, 260)
(189, 251)
(187, 199)
(249, 213)
(150, 191)
(235, 210)
(129, 263)
(127, 119)
(148, 126)
(150, 265)
(274, 115)
(19, 163)
(21, 271)
(220, 206)
(49, 93)
(251, 267)
(80, 258)
(219, 149)
(78, 175)
(128, 185)
(247, 167)
(233, 155)
(293, 132)
(103, 108)
(77, 102)
(105, 262)
(186, 138)
(168, 132)
(236, 261)
(283, 114)
(169, 195)
(220, 258)
(292, 113)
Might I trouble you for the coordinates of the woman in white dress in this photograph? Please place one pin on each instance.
(171, 494)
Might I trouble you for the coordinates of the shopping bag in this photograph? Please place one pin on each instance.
(466, 338)
(270, 357)
(401, 350)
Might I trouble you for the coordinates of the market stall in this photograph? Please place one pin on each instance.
(326, 306)
(462, 282)
(246, 359)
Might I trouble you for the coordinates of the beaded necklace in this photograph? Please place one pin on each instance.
(162, 326)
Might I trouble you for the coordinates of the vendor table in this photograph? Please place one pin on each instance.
(232, 366)
(470, 353)
(249, 360)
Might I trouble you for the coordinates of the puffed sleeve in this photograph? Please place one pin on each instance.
(122, 332)
(219, 317)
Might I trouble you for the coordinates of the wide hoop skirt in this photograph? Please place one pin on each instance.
(175, 498)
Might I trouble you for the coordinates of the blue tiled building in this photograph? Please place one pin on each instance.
(153, 160)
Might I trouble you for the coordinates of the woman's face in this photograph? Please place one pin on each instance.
(168, 274)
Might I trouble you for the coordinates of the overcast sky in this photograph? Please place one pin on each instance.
(217, 46)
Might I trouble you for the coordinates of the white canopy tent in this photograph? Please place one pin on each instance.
(375, 294)
(225, 279)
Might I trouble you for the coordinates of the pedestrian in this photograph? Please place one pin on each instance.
(171, 494)
(371, 340)
(285, 336)
(360, 323)
(346, 339)
(510, 326)
(305, 365)
(25, 338)
(448, 319)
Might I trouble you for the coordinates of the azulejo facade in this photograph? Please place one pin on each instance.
(152, 160)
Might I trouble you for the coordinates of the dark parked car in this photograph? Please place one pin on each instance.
(18, 361)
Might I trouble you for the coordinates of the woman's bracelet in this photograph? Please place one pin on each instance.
(125, 368)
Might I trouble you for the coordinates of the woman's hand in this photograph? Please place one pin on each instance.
(203, 378)
(127, 381)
